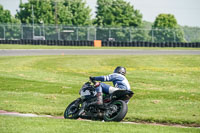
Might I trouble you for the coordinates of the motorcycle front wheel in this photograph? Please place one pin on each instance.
(72, 110)
(116, 111)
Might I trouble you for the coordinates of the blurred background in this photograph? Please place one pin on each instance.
(106, 20)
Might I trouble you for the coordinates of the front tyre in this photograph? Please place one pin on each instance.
(116, 111)
(72, 110)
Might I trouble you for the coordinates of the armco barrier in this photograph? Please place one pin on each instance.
(104, 43)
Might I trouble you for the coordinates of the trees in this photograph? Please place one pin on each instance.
(166, 29)
(192, 34)
(37, 11)
(65, 12)
(114, 19)
(80, 13)
(5, 16)
(117, 13)
(68, 12)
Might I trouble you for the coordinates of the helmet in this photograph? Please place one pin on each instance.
(120, 70)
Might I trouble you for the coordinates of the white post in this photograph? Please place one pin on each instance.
(59, 33)
(88, 34)
(40, 30)
(43, 30)
(22, 32)
(152, 35)
(95, 34)
(174, 36)
(109, 33)
(33, 21)
(77, 33)
(4, 32)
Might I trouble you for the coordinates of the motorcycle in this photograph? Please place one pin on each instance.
(114, 106)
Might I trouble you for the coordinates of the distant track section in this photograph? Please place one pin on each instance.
(30, 52)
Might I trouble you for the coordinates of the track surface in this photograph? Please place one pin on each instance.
(28, 52)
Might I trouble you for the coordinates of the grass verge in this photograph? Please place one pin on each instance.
(47, 125)
(167, 88)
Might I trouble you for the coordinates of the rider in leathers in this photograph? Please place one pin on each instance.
(119, 81)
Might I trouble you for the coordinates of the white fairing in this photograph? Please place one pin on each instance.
(87, 93)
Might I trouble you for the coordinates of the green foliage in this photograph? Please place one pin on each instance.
(166, 29)
(5, 16)
(80, 13)
(125, 21)
(66, 12)
(79, 16)
(165, 21)
(147, 25)
(42, 10)
(192, 34)
(12, 31)
(117, 13)
(62, 13)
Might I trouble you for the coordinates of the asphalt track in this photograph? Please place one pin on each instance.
(30, 52)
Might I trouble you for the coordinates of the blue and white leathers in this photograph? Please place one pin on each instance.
(119, 82)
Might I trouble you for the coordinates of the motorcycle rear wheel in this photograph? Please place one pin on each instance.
(72, 110)
(116, 111)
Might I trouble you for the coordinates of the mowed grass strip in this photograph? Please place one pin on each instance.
(167, 88)
(49, 125)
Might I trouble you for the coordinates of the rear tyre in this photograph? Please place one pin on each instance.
(72, 110)
(116, 111)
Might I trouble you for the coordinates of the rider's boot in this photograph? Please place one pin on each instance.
(99, 101)
(99, 98)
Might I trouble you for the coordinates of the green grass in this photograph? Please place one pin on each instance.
(167, 88)
(16, 46)
(46, 125)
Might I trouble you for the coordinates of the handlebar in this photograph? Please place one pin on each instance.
(92, 80)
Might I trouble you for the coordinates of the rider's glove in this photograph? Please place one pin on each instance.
(92, 79)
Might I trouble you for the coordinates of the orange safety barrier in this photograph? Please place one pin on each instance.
(97, 43)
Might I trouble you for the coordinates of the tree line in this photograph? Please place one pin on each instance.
(109, 13)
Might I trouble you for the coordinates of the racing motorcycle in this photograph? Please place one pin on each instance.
(114, 106)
